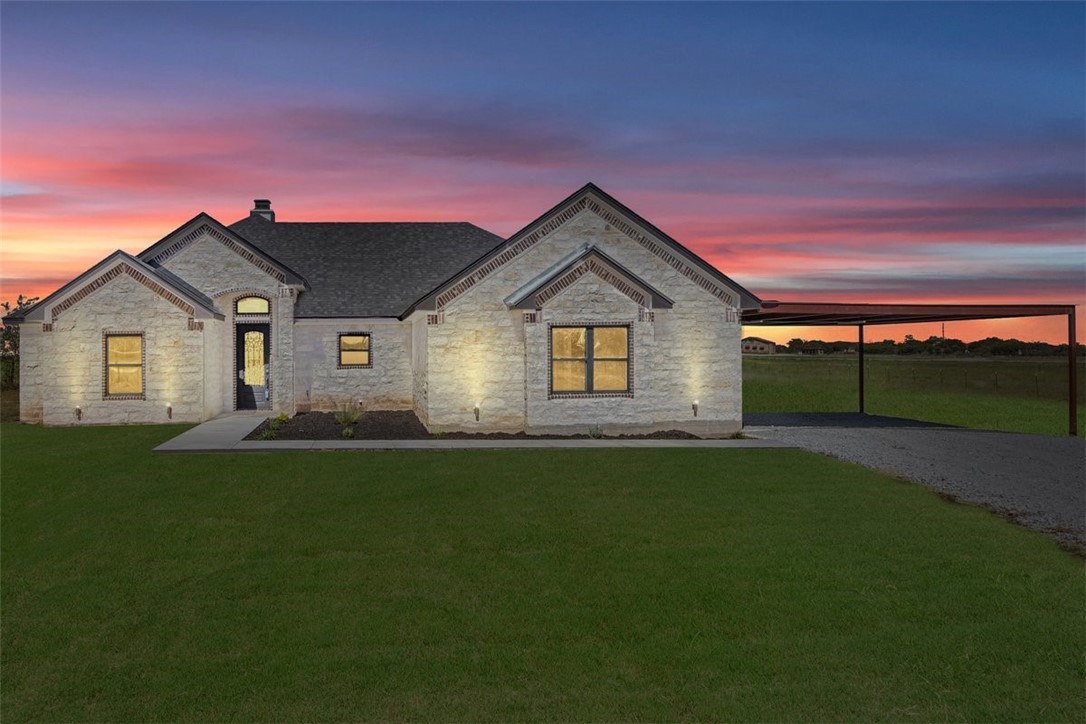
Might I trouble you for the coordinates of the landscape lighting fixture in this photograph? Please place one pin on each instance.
(78, 412)
(477, 412)
(695, 406)
(169, 411)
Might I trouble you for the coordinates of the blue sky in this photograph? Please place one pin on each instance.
(843, 151)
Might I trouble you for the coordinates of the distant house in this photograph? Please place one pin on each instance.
(757, 345)
(589, 315)
(813, 348)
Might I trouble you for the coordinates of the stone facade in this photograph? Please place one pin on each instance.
(321, 383)
(473, 363)
(483, 353)
(66, 366)
(420, 380)
(224, 276)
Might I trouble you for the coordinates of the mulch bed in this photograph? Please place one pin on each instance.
(405, 425)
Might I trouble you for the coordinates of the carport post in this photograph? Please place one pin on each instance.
(1072, 376)
(860, 352)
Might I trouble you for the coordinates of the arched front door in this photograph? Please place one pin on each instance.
(253, 365)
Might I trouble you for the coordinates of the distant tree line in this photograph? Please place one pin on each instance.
(989, 346)
(9, 341)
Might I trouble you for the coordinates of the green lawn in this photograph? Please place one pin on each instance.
(1015, 395)
(572, 585)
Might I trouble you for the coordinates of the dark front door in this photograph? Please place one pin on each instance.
(252, 366)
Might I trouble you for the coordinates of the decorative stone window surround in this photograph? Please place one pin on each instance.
(142, 395)
(629, 392)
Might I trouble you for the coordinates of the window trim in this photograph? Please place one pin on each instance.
(252, 315)
(106, 394)
(589, 328)
(339, 351)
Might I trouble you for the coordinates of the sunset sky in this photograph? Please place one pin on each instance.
(905, 152)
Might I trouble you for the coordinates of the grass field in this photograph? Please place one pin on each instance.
(574, 585)
(1016, 395)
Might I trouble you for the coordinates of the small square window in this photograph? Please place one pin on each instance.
(354, 350)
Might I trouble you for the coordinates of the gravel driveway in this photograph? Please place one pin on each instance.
(1037, 480)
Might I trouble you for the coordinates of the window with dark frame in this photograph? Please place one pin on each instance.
(590, 359)
(354, 350)
(252, 305)
(124, 365)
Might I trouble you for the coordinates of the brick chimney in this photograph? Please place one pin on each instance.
(262, 208)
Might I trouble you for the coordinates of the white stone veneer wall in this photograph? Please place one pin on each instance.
(387, 385)
(483, 352)
(69, 366)
(31, 370)
(215, 377)
(419, 368)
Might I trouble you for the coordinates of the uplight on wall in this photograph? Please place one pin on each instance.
(169, 410)
(695, 406)
(78, 412)
(477, 412)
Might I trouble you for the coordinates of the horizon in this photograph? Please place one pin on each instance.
(900, 153)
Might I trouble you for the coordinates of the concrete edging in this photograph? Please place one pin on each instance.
(227, 434)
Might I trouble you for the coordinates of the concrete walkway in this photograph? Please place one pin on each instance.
(227, 433)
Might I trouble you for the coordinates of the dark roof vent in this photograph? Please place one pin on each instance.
(262, 208)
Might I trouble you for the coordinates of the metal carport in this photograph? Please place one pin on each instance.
(820, 314)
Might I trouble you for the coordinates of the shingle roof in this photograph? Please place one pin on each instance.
(367, 269)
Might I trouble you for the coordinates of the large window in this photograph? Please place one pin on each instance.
(354, 350)
(590, 359)
(252, 305)
(124, 365)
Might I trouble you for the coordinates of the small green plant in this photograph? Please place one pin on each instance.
(268, 433)
(346, 433)
(274, 424)
(440, 435)
(595, 432)
(283, 418)
(348, 413)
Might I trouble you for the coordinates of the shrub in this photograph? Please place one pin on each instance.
(595, 432)
(269, 433)
(347, 432)
(348, 413)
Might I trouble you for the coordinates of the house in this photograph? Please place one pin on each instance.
(589, 315)
(757, 345)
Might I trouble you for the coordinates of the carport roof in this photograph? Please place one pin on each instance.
(796, 314)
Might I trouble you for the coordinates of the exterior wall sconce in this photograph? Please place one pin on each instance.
(695, 406)
(477, 412)
(169, 411)
(78, 412)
